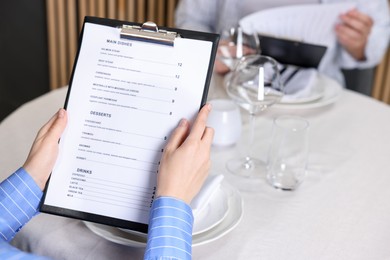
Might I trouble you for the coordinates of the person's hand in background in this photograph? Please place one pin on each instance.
(219, 66)
(44, 151)
(185, 161)
(228, 52)
(353, 32)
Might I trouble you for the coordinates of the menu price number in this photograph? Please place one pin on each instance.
(179, 65)
(153, 195)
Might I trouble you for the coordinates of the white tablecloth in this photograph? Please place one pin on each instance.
(341, 211)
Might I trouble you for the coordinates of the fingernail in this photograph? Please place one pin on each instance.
(209, 106)
(61, 113)
(183, 122)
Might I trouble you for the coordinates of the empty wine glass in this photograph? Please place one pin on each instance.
(235, 44)
(254, 85)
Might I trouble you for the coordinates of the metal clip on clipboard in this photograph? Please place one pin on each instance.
(148, 32)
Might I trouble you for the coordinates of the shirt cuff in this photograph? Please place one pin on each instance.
(170, 230)
(20, 197)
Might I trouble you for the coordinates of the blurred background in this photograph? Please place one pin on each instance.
(38, 44)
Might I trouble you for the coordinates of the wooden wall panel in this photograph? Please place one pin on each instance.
(52, 43)
(171, 6)
(101, 8)
(130, 10)
(62, 48)
(111, 12)
(82, 12)
(121, 10)
(381, 88)
(72, 34)
(141, 6)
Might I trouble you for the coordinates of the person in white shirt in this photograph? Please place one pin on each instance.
(363, 33)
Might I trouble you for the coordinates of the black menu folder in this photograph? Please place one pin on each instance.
(130, 86)
(292, 52)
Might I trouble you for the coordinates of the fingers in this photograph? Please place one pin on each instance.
(199, 130)
(48, 124)
(353, 32)
(199, 126)
(346, 36)
(44, 150)
(178, 136)
(55, 126)
(360, 18)
(220, 68)
(357, 21)
(208, 135)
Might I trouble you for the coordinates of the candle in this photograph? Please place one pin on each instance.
(239, 50)
(260, 91)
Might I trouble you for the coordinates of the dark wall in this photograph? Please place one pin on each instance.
(23, 53)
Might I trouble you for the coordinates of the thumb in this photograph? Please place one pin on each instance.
(54, 128)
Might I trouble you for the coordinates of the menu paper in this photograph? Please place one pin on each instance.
(309, 23)
(125, 99)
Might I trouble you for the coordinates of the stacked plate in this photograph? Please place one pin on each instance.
(324, 91)
(221, 214)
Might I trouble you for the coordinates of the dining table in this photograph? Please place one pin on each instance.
(340, 211)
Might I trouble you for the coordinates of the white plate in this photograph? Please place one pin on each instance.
(303, 85)
(117, 235)
(331, 92)
(232, 219)
(212, 214)
(316, 93)
(208, 217)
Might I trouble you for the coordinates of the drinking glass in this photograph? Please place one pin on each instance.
(287, 156)
(235, 44)
(254, 85)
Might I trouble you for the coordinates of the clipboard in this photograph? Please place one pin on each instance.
(292, 52)
(109, 156)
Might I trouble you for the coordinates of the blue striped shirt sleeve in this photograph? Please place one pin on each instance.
(170, 230)
(19, 201)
